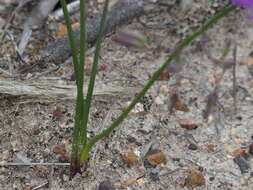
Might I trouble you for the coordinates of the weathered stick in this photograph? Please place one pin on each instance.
(121, 13)
(52, 91)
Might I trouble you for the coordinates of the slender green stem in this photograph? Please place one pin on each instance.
(75, 144)
(94, 68)
(173, 55)
(82, 135)
(70, 36)
(85, 153)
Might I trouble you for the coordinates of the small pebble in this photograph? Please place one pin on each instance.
(106, 185)
(192, 147)
(154, 176)
(159, 101)
(242, 163)
(164, 89)
(131, 139)
(147, 164)
(65, 177)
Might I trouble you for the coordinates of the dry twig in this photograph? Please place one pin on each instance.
(53, 92)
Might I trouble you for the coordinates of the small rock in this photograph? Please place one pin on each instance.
(164, 89)
(65, 177)
(154, 176)
(181, 181)
(146, 164)
(105, 185)
(129, 182)
(242, 163)
(192, 146)
(131, 139)
(159, 101)
(139, 108)
(148, 124)
(6, 155)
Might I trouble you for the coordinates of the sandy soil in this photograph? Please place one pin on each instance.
(31, 131)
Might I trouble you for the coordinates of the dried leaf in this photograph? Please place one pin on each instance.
(165, 75)
(129, 181)
(2, 76)
(57, 111)
(60, 150)
(194, 180)
(239, 152)
(157, 158)
(130, 159)
(177, 104)
(188, 124)
(180, 106)
(62, 29)
(41, 167)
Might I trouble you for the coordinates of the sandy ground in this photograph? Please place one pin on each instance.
(32, 131)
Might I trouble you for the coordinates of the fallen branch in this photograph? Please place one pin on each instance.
(121, 13)
(54, 92)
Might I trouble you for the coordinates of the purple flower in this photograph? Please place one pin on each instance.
(245, 4)
(130, 38)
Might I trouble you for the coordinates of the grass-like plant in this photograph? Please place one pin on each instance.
(81, 145)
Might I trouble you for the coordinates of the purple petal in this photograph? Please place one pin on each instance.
(243, 3)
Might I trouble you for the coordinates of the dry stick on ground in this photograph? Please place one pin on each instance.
(234, 80)
(72, 8)
(52, 92)
(121, 13)
(33, 164)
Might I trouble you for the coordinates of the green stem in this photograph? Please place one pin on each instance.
(173, 55)
(85, 153)
(82, 135)
(75, 144)
(94, 68)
